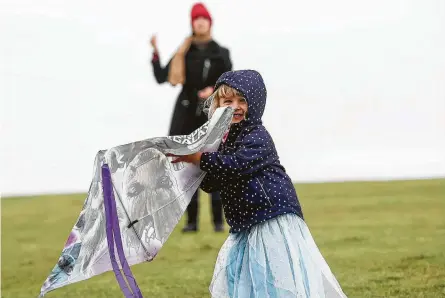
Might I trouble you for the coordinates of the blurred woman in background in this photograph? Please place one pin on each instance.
(196, 66)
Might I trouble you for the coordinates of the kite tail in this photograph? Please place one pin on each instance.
(114, 237)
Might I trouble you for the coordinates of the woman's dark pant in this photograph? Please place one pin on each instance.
(193, 209)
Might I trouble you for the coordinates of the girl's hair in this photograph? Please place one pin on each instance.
(223, 91)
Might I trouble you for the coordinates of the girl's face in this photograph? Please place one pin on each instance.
(201, 26)
(238, 103)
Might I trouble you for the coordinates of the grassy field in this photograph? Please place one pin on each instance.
(380, 240)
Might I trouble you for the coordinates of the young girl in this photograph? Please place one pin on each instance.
(270, 251)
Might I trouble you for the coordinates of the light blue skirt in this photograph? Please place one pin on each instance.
(274, 259)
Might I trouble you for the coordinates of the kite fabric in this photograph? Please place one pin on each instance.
(136, 198)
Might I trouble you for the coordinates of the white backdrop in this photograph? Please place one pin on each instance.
(356, 88)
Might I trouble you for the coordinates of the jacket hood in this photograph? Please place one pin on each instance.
(251, 85)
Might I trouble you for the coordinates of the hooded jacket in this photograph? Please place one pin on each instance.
(246, 169)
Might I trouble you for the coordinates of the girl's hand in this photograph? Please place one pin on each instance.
(194, 158)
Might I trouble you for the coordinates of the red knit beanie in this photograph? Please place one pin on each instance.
(199, 10)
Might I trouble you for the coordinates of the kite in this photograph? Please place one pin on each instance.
(135, 200)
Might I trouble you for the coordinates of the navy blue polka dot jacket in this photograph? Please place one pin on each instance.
(246, 169)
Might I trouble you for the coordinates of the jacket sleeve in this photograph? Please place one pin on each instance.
(210, 184)
(251, 156)
(226, 58)
(160, 73)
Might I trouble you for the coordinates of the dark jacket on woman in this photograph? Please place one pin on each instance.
(203, 66)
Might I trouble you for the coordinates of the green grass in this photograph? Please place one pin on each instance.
(381, 239)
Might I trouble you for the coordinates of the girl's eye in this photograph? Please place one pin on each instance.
(228, 101)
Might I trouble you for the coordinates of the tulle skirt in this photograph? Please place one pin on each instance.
(274, 259)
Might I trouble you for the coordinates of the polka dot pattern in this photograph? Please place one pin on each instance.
(246, 169)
